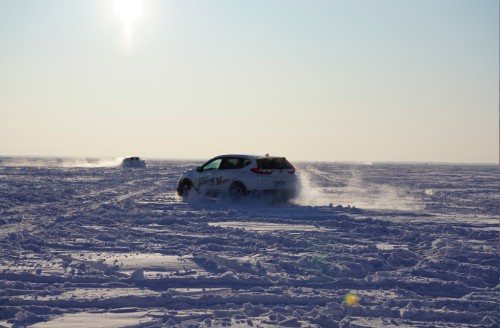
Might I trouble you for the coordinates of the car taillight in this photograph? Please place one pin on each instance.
(291, 171)
(258, 170)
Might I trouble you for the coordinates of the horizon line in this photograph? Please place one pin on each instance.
(363, 162)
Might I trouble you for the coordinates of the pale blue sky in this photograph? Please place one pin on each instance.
(350, 80)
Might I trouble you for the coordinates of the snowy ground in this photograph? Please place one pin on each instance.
(364, 246)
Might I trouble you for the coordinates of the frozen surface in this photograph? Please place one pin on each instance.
(395, 245)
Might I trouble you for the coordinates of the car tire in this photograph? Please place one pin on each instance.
(185, 188)
(237, 191)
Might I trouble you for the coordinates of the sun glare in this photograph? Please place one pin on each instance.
(129, 11)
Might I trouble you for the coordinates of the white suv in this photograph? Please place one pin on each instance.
(240, 175)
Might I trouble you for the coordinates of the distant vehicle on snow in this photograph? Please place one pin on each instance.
(133, 162)
(237, 176)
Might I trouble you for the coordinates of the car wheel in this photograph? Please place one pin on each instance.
(280, 197)
(185, 188)
(237, 191)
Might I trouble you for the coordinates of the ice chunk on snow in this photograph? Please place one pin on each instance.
(137, 275)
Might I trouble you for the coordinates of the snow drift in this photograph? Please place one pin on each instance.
(80, 244)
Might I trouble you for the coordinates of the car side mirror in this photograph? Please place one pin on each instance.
(198, 169)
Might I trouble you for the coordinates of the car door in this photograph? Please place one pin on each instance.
(206, 175)
(231, 170)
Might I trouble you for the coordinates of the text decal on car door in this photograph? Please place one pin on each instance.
(221, 180)
(204, 181)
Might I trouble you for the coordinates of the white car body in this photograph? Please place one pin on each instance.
(240, 175)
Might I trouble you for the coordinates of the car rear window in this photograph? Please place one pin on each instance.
(274, 163)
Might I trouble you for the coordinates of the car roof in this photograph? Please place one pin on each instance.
(235, 155)
(248, 156)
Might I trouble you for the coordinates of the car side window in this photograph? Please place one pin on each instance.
(233, 163)
(244, 162)
(228, 164)
(213, 165)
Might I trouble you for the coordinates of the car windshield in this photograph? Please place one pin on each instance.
(213, 165)
(274, 163)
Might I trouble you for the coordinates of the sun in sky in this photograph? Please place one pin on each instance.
(128, 11)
